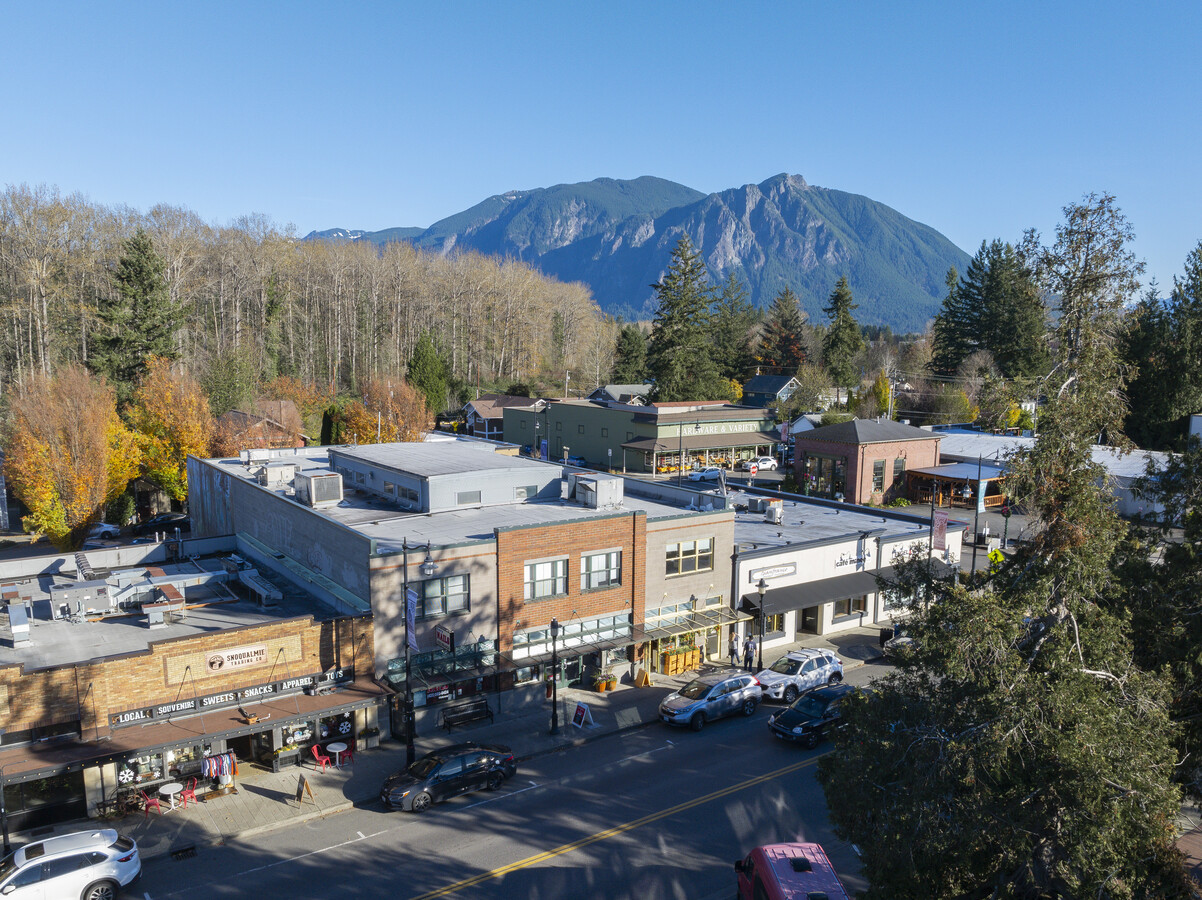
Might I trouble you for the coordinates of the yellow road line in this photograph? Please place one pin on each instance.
(611, 832)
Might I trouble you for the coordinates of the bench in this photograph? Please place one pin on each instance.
(473, 710)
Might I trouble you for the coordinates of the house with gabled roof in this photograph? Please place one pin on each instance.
(862, 461)
(767, 390)
(486, 414)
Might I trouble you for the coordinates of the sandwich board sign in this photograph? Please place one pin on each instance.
(583, 716)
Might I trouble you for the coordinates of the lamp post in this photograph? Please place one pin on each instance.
(554, 677)
(538, 445)
(680, 450)
(762, 587)
(976, 520)
(427, 569)
(4, 812)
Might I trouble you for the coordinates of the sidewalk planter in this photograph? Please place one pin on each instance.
(285, 757)
(674, 662)
(369, 739)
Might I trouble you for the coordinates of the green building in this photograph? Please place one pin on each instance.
(658, 438)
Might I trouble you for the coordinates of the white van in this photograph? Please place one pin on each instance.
(91, 865)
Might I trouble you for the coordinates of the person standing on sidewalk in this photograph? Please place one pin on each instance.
(734, 650)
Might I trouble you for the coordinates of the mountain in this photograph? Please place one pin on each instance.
(617, 237)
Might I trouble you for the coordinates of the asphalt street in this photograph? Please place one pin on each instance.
(653, 813)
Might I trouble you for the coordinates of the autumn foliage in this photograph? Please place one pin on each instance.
(67, 452)
(171, 416)
(390, 411)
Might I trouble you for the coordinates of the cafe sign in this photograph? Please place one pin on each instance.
(236, 658)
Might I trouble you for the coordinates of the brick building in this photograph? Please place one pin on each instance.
(863, 461)
(129, 666)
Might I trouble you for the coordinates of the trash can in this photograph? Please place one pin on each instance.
(886, 635)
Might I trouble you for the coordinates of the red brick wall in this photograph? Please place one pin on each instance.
(516, 546)
(918, 454)
(92, 691)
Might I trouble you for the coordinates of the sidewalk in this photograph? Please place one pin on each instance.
(267, 800)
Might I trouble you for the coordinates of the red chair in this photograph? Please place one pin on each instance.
(151, 801)
(321, 760)
(188, 793)
(348, 755)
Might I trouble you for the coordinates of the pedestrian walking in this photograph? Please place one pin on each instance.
(749, 654)
(734, 650)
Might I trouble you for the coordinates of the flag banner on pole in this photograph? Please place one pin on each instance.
(939, 537)
(411, 618)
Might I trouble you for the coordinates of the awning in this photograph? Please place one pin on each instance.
(827, 590)
(698, 620)
(636, 636)
(961, 471)
(703, 442)
(815, 593)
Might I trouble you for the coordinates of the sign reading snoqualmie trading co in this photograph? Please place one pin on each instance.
(236, 658)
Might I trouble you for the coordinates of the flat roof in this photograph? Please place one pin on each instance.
(435, 458)
(966, 443)
(812, 521)
(388, 525)
(57, 642)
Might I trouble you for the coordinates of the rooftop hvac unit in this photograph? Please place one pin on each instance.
(275, 473)
(774, 512)
(757, 504)
(319, 490)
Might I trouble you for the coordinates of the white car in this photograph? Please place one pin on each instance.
(799, 671)
(104, 530)
(709, 473)
(763, 464)
(91, 865)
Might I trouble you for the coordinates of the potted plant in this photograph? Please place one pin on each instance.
(600, 683)
(369, 738)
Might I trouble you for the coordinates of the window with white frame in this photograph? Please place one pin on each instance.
(449, 596)
(546, 579)
(851, 606)
(690, 556)
(600, 570)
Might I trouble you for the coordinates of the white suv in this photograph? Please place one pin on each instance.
(799, 671)
(91, 865)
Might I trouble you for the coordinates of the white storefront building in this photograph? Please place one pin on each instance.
(820, 561)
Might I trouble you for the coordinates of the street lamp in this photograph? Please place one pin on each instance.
(427, 569)
(3, 812)
(554, 677)
(976, 521)
(538, 446)
(762, 587)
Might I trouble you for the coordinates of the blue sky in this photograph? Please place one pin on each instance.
(979, 120)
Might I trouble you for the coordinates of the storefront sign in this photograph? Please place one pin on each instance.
(230, 698)
(236, 658)
(442, 692)
(444, 637)
(772, 572)
(846, 559)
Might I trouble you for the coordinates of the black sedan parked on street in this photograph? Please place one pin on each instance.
(812, 716)
(448, 773)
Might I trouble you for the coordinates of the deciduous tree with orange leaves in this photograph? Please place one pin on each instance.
(172, 419)
(67, 452)
(391, 410)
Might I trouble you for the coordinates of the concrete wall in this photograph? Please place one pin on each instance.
(221, 504)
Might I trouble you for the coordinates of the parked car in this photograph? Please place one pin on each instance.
(782, 871)
(708, 473)
(103, 531)
(92, 865)
(165, 523)
(812, 716)
(577, 461)
(763, 463)
(711, 697)
(899, 643)
(447, 773)
(799, 671)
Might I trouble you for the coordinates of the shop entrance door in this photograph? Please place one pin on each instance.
(712, 640)
(807, 622)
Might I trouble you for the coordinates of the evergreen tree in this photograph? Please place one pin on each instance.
(630, 356)
(952, 335)
(137, 319)
(1164, 346)
(731, 322)
(1018, 752)
(679, 354)
(780, 341)
(428, 373)
(843, 339)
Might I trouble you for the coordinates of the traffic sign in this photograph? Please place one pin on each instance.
(752, 470)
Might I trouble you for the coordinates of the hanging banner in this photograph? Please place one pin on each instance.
(939, 530)
(411, 618)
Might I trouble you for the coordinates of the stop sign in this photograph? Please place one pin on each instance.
(753, 469)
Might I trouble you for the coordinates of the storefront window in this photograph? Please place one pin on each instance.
(333, 728)
(851, 606)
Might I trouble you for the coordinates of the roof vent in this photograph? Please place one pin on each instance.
(801, 864)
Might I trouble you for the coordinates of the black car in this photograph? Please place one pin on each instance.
(812, 716)
(447, 773)
(165, 523)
